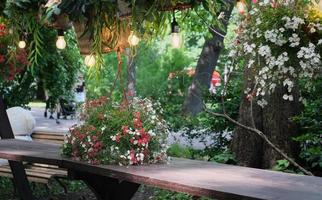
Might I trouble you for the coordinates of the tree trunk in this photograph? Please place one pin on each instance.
(278, 125)
(273, 120)
(247, 145)
(207, 62)
(131, 76)
(40, 91)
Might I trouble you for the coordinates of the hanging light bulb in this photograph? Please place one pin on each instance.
(22, 44)
(60, 43)
(90, 60)
(133, 39)
(241, 7)
(175, 35)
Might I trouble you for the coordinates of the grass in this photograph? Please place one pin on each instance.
(37, 104)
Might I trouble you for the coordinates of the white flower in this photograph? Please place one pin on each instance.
(319, 42)
(249, 48)
(293, 23)
(288, 97)
(250, 63)
(264, 51)
(113, 138)
(281, 30)
(294, 40)
(258, 21)
(262, 103)
(221, 15)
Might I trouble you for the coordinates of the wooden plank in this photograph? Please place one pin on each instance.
(35, 152)
(30, 178)
(194, 177)
(60, 142)
(38, 171)
(48, 136)
(214, 180)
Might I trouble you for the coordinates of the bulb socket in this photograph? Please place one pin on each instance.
(175, 28)
(60, 32)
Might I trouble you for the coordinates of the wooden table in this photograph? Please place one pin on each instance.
(197, 178)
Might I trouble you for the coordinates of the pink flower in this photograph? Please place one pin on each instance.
(254, 1)
(132, 156)
(274, 4)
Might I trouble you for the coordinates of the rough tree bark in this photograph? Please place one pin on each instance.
(131, 76)
(193, 103)
(249, 144)
(273, 120)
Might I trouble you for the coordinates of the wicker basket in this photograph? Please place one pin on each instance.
(108, 45)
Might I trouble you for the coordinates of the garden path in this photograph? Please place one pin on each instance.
(46, 125)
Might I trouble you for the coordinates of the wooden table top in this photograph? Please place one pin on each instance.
(195, 177)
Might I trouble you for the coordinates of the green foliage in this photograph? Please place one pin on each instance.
(225, 157)
(310, 121)
(103, 85)
(285, 166)
(281, 165)
(23, 84)
(59, 69)
(164, 78)
(176, 150)
(166, 195)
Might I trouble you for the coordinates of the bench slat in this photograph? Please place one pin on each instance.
(30, 178)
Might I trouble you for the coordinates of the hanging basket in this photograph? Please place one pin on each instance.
(111, 40)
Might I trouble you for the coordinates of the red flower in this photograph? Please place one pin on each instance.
(125, 130)
(2, 30)
(2, 58)
(118, 138)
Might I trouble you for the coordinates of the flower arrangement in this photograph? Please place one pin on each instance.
(281, 42)
(113, 133)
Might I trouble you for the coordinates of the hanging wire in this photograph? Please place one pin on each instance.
(209, 26)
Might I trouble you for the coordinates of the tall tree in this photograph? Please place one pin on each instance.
(193, 103)
(274, 120)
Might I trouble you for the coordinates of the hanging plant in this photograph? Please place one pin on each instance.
(12, 61)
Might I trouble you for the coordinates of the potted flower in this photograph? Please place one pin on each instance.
(114, 133)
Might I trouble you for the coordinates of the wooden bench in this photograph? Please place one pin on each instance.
(42, 173)
(197, 178)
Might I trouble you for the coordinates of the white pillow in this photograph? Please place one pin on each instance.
(21, 120)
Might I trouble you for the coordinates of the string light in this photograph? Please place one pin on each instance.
(60, 43)
(133, 39)
(175, 35)
(22, 44)
(90, 60)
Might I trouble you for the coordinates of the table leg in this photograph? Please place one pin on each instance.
(106, 188)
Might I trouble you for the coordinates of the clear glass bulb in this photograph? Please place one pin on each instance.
(90, 60)
(133, 39)
(175, 40)
(22, 44)
(61, 43)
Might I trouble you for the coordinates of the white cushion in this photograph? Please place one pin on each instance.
(21, 120)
